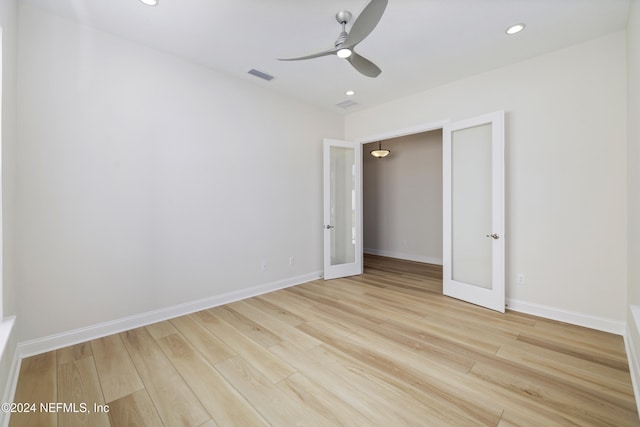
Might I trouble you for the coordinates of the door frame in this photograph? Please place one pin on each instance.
(413, 130)
(420, 128)
(426, 127)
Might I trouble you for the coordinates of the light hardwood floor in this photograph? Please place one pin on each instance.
(382, 349)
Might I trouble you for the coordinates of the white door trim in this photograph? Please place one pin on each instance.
(412, 130)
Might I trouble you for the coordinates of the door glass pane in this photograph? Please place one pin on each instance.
(471, 205)
(342, 205)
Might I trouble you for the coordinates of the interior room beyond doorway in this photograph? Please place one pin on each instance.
(402, 198)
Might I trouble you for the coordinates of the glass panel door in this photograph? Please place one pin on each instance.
(342, 209)
(474, 210)
(342, 205)
(471, 205)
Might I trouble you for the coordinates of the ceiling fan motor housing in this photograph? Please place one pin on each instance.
(343, 16)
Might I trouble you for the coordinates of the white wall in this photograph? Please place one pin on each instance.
(8, 341)
(633, 162)
(145, 181)
(9, 23)
(566, 170)
(633, 121)
(403, 198)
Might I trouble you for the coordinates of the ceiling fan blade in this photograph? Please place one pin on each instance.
(363, 65)
(331, 51)
(365, 22)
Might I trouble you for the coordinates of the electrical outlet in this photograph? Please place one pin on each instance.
(520, 279)
(265, 265)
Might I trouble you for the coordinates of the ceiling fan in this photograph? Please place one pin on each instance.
(346, 42)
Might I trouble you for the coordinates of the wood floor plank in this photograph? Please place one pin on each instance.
(284, 298)
(78, 384)
(348, 313)
(272, 367)
(118, 376)
(74, 352)
(574, 346)
(472, 397)
(258, 333)
(580, 406)
(528, 418)
(161, 329)
(135, 409)
(452, 400)
(282, 330)
(225, 405)
(587, 336)
(390, 299)
(320, 319)
(460, 334)
(37, 384)
(356, 392)
(273, 404)
(210, 346)
(279, 313)
(396, 398)
(326, 405)
(176, 403)
(575, 370)
(305, 308)
(355, 294)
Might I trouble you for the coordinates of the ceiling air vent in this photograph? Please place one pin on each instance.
(346, 104)
(260, 74)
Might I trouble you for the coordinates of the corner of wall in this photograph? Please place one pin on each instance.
(632, 333)
(9, 359)
(632, 346)
(9, 364)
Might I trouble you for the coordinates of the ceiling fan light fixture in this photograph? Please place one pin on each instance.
(343, 47)
(150, 2)
(515, 29)
(344, 53)
(380, 152)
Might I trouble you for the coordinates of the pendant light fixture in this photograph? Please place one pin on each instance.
(380, 153)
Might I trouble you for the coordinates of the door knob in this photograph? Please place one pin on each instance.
(494, 235)
(329, 227)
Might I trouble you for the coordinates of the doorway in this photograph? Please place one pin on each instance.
(402, 198)
(473, 206)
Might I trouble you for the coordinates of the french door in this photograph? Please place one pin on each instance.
(473, 210)
(342, 178)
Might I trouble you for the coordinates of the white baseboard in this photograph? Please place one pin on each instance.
(401, 255)
(581, 319)
(76, 336)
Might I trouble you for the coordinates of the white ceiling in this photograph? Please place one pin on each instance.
(418, 44)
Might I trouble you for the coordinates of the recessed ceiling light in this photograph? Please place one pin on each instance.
(514, 29)
(150, 2)
(349, 93)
